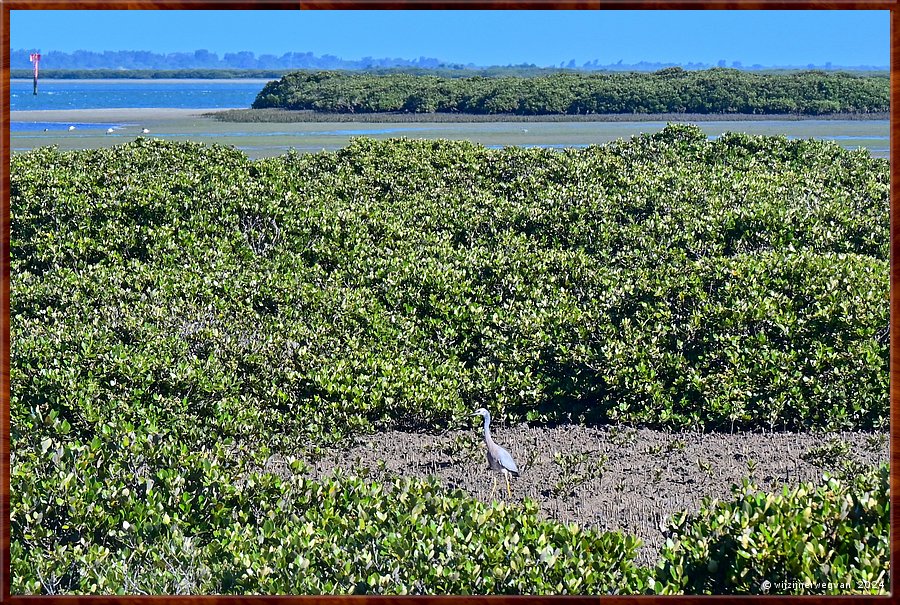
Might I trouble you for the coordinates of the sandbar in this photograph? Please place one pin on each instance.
(124, 114)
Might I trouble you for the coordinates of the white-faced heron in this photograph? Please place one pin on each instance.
(498, 458)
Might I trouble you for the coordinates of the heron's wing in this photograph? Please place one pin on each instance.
(492, 464)
(506, 460)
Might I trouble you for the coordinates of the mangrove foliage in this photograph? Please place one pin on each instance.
(180, 314)
(671, 90)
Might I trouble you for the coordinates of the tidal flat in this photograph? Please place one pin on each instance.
(258, 139)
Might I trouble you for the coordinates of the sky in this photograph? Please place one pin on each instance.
(544, 38)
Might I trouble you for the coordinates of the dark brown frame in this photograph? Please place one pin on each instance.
(7, 5)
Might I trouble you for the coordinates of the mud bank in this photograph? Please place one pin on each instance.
(608, 478)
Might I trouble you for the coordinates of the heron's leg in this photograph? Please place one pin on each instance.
(509, 491)
(493, 489)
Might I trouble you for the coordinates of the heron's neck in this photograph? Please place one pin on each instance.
(487, 427)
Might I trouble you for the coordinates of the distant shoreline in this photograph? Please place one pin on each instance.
(287, 116)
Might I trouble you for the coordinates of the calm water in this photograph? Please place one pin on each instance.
(100, 94)
(259, 140)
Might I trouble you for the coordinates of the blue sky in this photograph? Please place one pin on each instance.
(479, 37)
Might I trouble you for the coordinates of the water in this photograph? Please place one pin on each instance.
(262, 139)
(60, 126)
(104, 94)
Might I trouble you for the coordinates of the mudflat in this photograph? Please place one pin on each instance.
(267, 137)
(608, 478)
(106, 115)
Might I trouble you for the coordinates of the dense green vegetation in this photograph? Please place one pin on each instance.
(831, 539)
(272, 115)
(738, 283)
(135, 512)
(180, 312)
(141, 513)
(670, 90)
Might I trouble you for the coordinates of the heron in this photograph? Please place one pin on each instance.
(498, 458)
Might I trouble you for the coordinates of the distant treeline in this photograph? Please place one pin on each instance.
(204, 59)
(144, 74)
(671, 90)
(442, 72)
